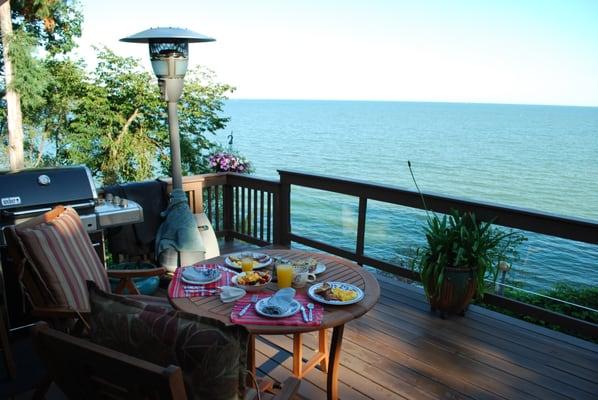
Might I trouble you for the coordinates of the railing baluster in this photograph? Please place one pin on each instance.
(243, 224)
(227, 212)
(255, 213)
(217, 206)
(261, 215)
(269, 219)
(237, 206)
(209, 195)
(249, 212)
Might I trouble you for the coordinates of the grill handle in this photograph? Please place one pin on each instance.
(45, 209)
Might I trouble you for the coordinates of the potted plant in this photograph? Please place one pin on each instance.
(460, 254)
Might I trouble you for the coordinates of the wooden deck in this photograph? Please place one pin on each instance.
(401, 350)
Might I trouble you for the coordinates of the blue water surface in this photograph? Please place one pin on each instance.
(537, 157)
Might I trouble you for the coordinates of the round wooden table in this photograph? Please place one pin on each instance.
(335, 317)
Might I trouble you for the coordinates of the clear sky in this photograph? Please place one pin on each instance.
(502, 51)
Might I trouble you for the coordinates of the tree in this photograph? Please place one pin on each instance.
(112, 119)
(118, 127)
(11, 96)
(33, 24)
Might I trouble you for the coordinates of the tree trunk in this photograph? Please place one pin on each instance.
(13, 100)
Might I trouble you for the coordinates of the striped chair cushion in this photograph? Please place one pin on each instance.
(62, 257)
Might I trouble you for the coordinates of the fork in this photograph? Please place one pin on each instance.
(310, 307)
(253, 300)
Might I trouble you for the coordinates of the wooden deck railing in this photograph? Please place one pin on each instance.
(259, 211)
(239, 206)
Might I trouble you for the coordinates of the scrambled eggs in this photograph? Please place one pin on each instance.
(343, 295)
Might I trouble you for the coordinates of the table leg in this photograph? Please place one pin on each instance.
(334, 362)
(297, 355)
(323, 348)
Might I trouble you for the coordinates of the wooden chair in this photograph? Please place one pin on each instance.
(5, 346)
(62, 316)
(84, 370)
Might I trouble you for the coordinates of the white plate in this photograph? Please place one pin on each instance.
(345, 286)
(293, 309)
(214, 278)
(231, 264)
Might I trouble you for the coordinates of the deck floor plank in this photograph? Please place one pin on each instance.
(400, 350)
(555, 362)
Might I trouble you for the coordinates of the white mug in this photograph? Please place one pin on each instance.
(302, 276)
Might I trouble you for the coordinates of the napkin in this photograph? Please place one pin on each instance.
(282, 300)
(199, 274)
(230, 293)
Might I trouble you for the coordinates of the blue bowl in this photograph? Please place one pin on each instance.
(146, 286)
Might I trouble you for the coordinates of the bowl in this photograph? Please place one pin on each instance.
(253, 275)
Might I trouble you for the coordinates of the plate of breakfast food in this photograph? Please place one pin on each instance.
(259, 260)
(252, 281)
(311, 264)
(335, 293)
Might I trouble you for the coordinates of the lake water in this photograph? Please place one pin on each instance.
(538, 157)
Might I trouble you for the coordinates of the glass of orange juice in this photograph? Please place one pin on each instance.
(247, 264)
(284, 272)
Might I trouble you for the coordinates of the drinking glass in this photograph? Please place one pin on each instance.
(285, 275)
(247, 264)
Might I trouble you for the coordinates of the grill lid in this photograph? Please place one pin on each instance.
(42, 187)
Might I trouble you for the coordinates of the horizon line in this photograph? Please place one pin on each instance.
(415, 101)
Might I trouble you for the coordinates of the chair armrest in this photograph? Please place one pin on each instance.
(55, 312)
(289, 389)
(135, 273)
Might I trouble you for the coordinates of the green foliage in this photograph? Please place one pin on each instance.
(200, 112)
(115, 128)
(55, 24)
(113, 119)
(30, 75)
(463, 242)
(580, 294)
(42, 31)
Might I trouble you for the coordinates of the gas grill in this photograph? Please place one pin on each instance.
(28, 193)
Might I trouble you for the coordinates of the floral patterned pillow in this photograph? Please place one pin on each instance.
(211, 355)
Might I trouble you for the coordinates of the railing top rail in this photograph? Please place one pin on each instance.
(221, 178)
(253, 182)
(579, 229)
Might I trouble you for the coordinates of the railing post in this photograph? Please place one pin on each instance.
(227, 203)
(359, 248)
(282, 213)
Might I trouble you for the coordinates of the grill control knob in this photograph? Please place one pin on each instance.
(44, 180)
(108, 197)
(116, 200)
(124, 203)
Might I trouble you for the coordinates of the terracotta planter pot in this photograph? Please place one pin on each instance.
(456, 293)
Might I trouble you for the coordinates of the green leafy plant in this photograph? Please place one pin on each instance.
(461, 241)
(571, 295)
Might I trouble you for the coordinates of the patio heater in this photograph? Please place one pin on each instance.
(178, 241)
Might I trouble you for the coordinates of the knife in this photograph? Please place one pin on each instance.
(304, 314)
(244, 310)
